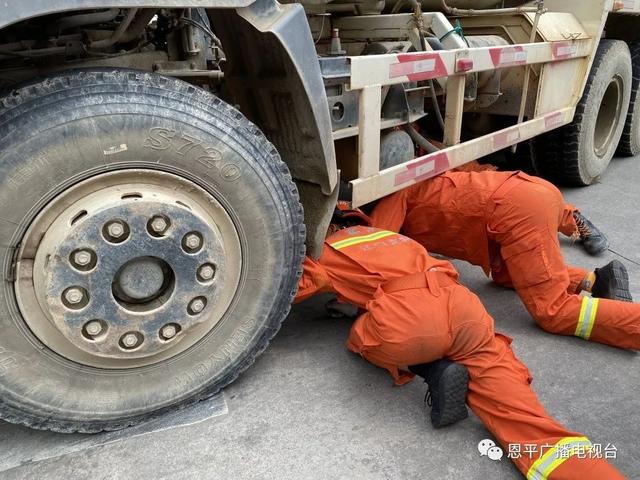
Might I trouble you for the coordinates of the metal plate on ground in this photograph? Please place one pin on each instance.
(14, 439)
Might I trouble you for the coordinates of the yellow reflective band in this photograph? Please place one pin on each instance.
(587, 317)
(347, 242)
(583, 308)
(592, 318)
(556, 456)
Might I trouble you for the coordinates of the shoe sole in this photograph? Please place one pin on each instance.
(452, 394)
(621, 275)
(618, 272)
(594, 252)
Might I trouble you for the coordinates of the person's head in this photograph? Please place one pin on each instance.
(345, 217)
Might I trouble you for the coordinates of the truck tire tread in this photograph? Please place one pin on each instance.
(10, 107)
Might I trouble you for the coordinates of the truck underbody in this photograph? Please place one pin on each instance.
(380, 95)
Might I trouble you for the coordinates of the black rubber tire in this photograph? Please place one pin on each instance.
(630, 142)
(522, 159)
(567, 155)
(54, 134)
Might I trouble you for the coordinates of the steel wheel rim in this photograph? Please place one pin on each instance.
(113, 319)
(606, 119)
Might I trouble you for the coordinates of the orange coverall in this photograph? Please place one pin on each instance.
(507, 223)
(417, 312)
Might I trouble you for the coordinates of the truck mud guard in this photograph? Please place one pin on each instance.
(273, 74)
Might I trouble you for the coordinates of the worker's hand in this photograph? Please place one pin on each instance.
(336, 309)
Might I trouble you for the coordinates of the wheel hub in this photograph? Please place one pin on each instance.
(141, 280)
(127, 278)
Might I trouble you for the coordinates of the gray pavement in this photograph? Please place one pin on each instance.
(310, 409)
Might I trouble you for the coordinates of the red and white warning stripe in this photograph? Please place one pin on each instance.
(564, 50)
(508, 56)
(368, 70)
(553, 120)
(422, 168)
(627, 6)
(505, 138)
(423, 66)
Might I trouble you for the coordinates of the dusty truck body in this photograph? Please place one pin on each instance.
(155, 158)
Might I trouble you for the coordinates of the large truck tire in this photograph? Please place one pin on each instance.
(152, 240)
(579, 153)
(630, 141)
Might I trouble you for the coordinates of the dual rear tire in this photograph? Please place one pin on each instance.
(579, 153)
(630, 141)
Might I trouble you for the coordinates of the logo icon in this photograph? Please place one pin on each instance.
(488, 448)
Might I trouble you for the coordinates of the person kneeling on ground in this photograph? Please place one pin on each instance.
(417, 313)
(507, 223)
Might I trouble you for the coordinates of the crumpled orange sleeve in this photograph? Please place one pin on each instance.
(314, 280)
(390, 212)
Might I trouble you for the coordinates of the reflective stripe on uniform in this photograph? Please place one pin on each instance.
(542, 468)
(347, 242)
(587, 317)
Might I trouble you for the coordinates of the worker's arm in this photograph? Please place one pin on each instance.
(390, 212)
(314, 280)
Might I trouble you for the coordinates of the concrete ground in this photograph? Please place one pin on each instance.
(310, 409)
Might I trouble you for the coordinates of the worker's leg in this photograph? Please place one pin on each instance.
(516, 418)
(578, 277)
(575, 225)
(525, 223)
(417, 326)
(500, 274)
(567, 225)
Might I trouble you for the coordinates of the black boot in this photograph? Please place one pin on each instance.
(447, 391)
(593, 240)
(612, 281)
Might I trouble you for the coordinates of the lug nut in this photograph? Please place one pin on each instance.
(82, 258)
(159, 224)
(115, 229)
(197, 305)
(192, 241)
(130, 340)
(206, 272)
(93, 328)
(168, 331)
(73, 296)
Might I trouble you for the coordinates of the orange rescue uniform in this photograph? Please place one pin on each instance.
(507, 223)
(417, 312)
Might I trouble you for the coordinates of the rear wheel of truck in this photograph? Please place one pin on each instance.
(579, 153)
(630, 141)
(151, 244)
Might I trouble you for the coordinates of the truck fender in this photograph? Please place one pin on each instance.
(272, 73)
